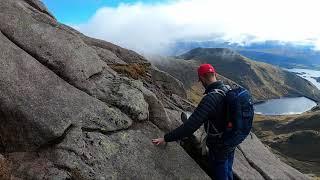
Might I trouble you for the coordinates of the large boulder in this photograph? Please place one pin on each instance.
(168, 83)
(37, 106)
(91, 155)
(119, 92)
(66, 54)
(265, 162)
(243, 169)
(157, 112)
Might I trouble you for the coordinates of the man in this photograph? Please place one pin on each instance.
(211, 112)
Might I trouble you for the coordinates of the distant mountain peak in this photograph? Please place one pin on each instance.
(283, 54)
(212, 53)
(212, 50)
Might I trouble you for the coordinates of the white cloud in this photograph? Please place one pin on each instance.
(150, 28)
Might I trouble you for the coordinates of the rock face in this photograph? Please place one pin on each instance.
(266, 163)
(165, 81)
(37, 106)
(74, 107)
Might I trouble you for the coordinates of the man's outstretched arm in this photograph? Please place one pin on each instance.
(207, 105)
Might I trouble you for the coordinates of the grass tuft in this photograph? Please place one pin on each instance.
(134, 70)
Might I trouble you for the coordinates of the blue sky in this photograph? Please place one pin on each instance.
(80, 11)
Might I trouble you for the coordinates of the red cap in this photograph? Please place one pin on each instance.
(205, 68)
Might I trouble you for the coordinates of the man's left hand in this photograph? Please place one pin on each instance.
(158, 141)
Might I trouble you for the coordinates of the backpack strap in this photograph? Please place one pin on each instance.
(203, 143)
(223, 94)
(219, 91)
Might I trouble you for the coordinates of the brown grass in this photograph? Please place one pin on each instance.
(304, 158)
(195, 93)
(134, 70)
(284, 118)
(5, 171)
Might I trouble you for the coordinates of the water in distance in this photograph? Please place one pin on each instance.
(284, 106)
(307, 74)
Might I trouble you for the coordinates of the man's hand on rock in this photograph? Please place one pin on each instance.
(158, 141)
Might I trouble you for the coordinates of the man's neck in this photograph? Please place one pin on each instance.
(211, 82)
(213, 85)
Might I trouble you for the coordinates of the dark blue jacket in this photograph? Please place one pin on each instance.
(211, 108)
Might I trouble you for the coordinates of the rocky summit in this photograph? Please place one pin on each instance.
(74, 107)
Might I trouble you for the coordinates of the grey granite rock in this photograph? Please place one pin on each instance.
(37, 106)
(170, 84)
(266, 163)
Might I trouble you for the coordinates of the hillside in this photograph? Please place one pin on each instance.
(185, 71)
(276, 59)
(295, 138)
(74, 107)
(263, 80)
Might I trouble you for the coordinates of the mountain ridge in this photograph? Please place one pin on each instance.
(284, 54)
(263, 80)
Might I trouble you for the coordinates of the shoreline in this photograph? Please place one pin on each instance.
(284, 97)
(258, 102)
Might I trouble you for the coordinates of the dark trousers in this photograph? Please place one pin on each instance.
(220, 165)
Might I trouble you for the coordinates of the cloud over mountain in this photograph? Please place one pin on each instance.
(152, 27)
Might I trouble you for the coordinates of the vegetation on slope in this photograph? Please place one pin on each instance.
(186, 72)
(263, 80)
(295, 138)
(134, 70)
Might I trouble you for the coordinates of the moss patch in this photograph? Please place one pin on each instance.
(134, 70)
(110, 148)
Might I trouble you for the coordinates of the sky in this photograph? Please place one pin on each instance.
(80, 11)
(150, 26)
